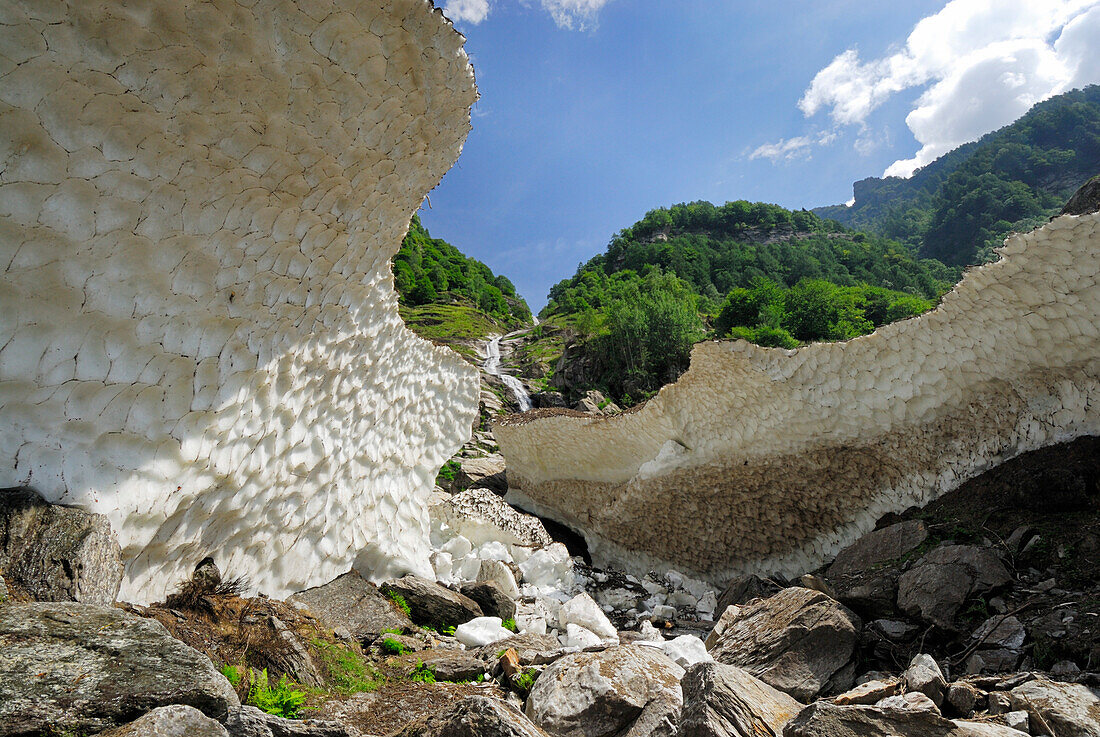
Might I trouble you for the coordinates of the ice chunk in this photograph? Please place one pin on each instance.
(482, 631)
(582, 610)
(577, 636)
(549, 567)
(686, 650)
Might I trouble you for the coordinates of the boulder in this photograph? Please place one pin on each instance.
(587, 405)
(481, 516)
(453, 665)
(546, 400)
(486, 472)
(170, 721)
(909, 701)
(744, 589)
(492, 600)
(725, 701)
(1001, 632)
(531, 649)
(984, 729)
(95, 668)
(57, 553)
(936, 587)
(824, 719)
(1064, 709)
(603, 693)
(961, 698)
(476, 716)
(498, 572)
(248, 721)
(352, 602)
(924, 675)
(877, 547)
(869, 692)
(431, 604)
(798, 641)
(1084, 200)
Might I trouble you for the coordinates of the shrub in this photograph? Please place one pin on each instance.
(233, 674)
(393, 647)
(422, 673)
(509, 624)
(281, 699)
(349, 672)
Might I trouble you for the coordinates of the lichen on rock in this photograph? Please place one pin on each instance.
(770, 461)
(199, 336)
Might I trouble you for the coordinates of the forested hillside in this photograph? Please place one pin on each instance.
(961, 206)
(748, 270)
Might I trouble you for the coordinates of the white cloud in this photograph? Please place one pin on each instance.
(981, 64)
(787, 149)
(467, 11)
(579, 14)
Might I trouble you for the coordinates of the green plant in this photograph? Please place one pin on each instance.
(393, 647)
(399, 602)
(447, 474)
(281, 699)
(393, 631)
(448, 631)
(349, 672)
(422, 673)
(525, 680)
(233, 674)
(509, 624)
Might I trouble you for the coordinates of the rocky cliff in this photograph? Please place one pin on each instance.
(770, 461)
(198, 332)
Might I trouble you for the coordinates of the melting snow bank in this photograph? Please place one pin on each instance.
(770, 461)
(199, 336)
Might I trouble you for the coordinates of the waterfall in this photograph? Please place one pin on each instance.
(492, 367)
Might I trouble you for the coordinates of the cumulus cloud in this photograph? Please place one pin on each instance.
(981, 64)
(467, 11)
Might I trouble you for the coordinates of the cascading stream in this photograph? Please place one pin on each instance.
(492, 367)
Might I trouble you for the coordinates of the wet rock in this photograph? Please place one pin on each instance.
(57, 553)
(798, 641)
(603, 693)
(431, 604)
(826, 719)
(491, 598)
(248, 721)
(481, 516)
(476, 716)
(936, 587)
(353, 603)
(877, 547)
(170, 721)
(723, 701)
(924, 675)
(95, 668)
(1063, 709)
(486, 472)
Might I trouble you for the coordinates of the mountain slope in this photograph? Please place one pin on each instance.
(962, 205)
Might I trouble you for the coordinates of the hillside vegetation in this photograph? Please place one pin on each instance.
(962, 205)
(747, 270)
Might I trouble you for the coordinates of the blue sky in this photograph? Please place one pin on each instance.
(593, 112)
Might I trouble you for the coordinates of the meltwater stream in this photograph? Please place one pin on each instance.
(492, 367)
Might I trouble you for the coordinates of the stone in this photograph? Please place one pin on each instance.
(997, 660)
(476, 716)
(530, 648)
(453, 665)
(1018, 720)
(825, 719)
(999, 703)
(686, 650)
(95, 668)
(964, 728)
(209, 350)
(1001, 632)
(961, 698)
(57, 553)
(492, 600)
(487, 472)
(899, 406)
(909, 701)
(293, 657)
(893, 629)
(798, 641)
(583, 611)
(431, 604)
(868, 693)
(924, 675)
(1085, 200)
(248, 721)
(547, 400)
(481, 631)
(352, 602)
(725, 701)
(936, 587)
(1065, 709)
(170, 721)
(659, 718)
(743, 589)
(877, 547)
(872, 595)
(482, 516)
(603, 693)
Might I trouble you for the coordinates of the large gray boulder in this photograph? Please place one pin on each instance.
(432, 604)
(725, 701)
(170, 721)
(354, 603)
(490, 597)
(600, 694)
(248, 721)
(936, 587)
(485, 472)
(824, 719)
(877, 547)
(57, 553)
(1066, 709)
(799, 641)
(476, 716)
(86, 668)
